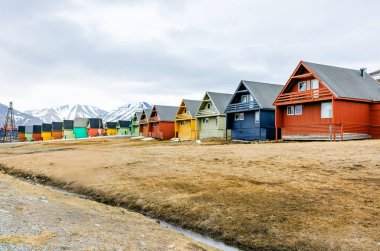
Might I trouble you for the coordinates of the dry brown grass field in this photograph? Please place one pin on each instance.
(273, 196)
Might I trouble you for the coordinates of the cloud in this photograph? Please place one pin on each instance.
(108, 53)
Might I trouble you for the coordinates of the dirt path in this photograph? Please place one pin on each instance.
(33, 217)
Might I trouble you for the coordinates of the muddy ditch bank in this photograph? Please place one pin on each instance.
(210, 238)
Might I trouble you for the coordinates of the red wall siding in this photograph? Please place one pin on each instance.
(350, 112)
(37, 136)
(375, 120)
(311, 115)
(164, 130)
(144, 131)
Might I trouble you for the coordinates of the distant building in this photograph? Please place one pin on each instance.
(185, 122)
(250, 112)
(161, 121)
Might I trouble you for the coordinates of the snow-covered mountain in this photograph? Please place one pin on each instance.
(20, 117)
(59, 113)
(126, 112)
(376, 75)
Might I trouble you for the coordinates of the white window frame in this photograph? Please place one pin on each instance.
(182, 123)
(299, 86)
(257, 117)
(323, 111)
(287, 110)
(208, 105)
(205, 120)
(295, 110)
(314, 81)
(245, 98)
(239, 116)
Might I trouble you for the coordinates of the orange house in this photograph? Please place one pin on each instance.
(161, 121)
(144, 123)
(321, 102)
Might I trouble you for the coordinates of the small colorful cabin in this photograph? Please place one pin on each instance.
(185, 121)
(46, 131)
(95, 127)
(29, 133)
(68, 129)
(57, 130)
(144, 123)
(111, 128)
(211, 118)
(123, 127)
(21, 133)
(135, 124)
(161, 121)
(250, 112)
(37, 132)
(80, 128)
(322, 102)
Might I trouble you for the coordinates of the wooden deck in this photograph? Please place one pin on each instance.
(326, 137)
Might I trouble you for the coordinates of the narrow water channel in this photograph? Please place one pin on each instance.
(201, 238)
(191, 234)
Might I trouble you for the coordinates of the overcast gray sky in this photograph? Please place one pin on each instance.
(108, 53)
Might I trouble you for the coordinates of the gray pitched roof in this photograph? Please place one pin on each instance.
(265, 94)
(346, 83)
(220, 100)
(192, 106)
(166, 113)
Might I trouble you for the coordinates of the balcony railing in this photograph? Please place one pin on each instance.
(208, 112)
(182, 116)
(246, 106)
(303, 96)
(143, 121)
(135, 123)
(328, 131)
(154, 119)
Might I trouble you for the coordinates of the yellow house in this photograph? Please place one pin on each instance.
(185, 122)
(111, 128)
(46, 131)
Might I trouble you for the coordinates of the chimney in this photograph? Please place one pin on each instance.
(362, 72)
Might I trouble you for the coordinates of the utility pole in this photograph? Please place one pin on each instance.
(9, 125)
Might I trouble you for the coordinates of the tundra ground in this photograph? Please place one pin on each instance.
(273, 196)
(39, 218)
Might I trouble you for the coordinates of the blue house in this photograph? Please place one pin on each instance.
(250, 112)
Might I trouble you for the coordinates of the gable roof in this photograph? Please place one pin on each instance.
(147, 113)
(346, 83)
(138, 115)
(264, 93)
(166, 113)
(220, 100)
(192, 106)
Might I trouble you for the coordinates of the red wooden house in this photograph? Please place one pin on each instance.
(144, 123)
(161, 121)
(321, 102)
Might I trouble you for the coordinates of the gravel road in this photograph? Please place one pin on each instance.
(34, 217)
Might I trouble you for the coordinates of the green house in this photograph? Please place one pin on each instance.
(211, 118)
(123, 127)
(68, 129)
(135, 124)
(80, 128)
